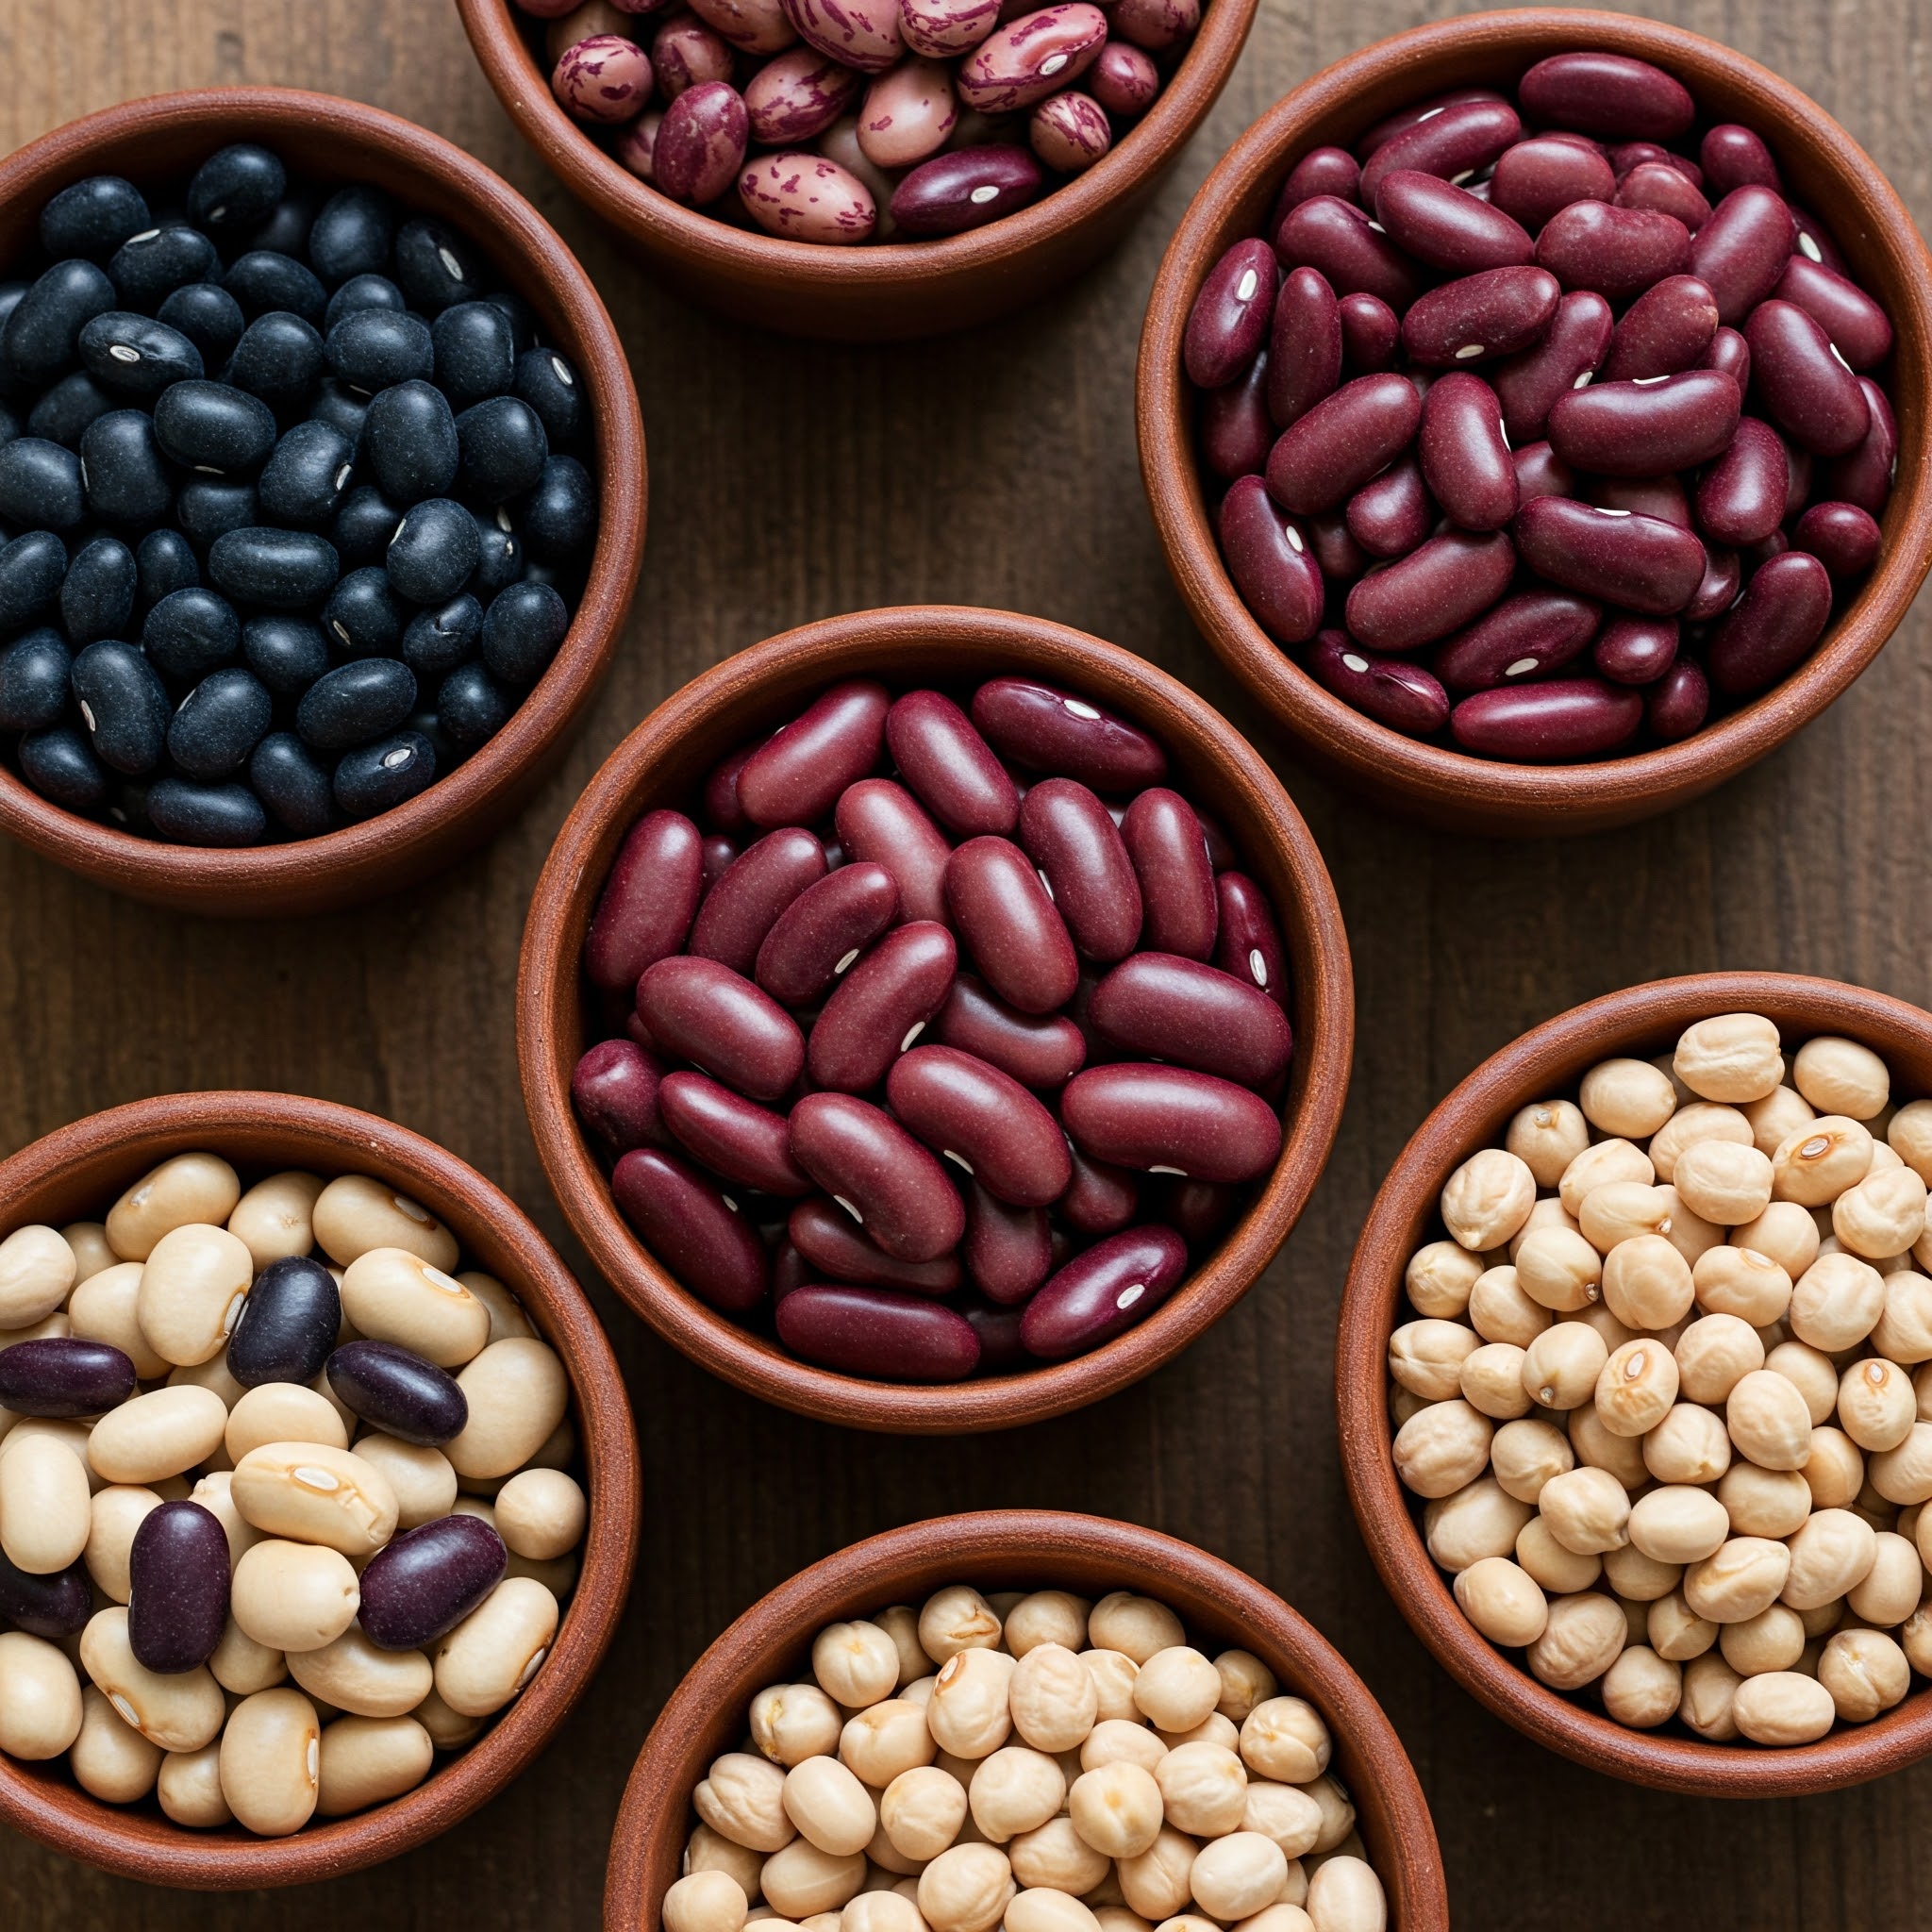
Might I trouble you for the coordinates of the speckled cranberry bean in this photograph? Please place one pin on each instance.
(1011, 925)
(1641, 563)
(1607, 93)
(1038, 1050)
(701, 145)
(1775, 624)
(1464, 454)
(798, 774)
(686, 52)
(1450, 141)
(1842, 536)
(878, 1174)
(797, 96)
(1741, 497)
(604, 80)
(1236, 430)
(753, 26)
(1334, 236)
(1329, 452)
(744, 904)
(1230, 318)
(694, 1230)
(1191, 1014)
(874, 1333)
(1391, 690)
(1070, 131)
(1435, 589)
(1446, 228)
(1535, 178)
(1169, 1120)
(982, 1120)
(1741, 252)
(637, 144)
(1804, 383)
(1476, 317)
(1153, 25)
(718, 1019)
(881, 1006)
(1269, 558)
(1558, 722)
(1123, 80)
(808, 197)
(1650, 427)
(941, 29)
(1391, 514)
(1865, 476)
(1169, 851)
(614, 1090)
(1304, 345)
(1667, 329)
(1072, 838)
(953, 192)
(1043, 729)
(1526, 636)
(907, 113)
(1103, 1292)
(1616, 251)
(1032, 56)
(1855, 323)
(864, 34)
(1570, 352)
(1634, 650)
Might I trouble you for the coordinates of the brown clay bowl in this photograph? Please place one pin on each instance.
(160, 140)
(664, 760)
(1547, 1060)
(1827, 171)
(73, 1175)
(1017, 1549)
(885, 292)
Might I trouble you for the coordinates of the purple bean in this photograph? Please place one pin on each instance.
(1627, 155)
(998, 1330)
(1432, 591)
(1781, 615)
(1675, 705)
(1553, 724)
(1248, 944)
(881, 1006)
(821, 933)
(1570, 353)
(1336, 237)
(1343, 440)
(1101, 1199)
(701, 143)
(796, 776)
(834, 1247)
(1731, 352)
(1478, 318)
(1169, 1120)
(1072, 838)
(1465, 454)
(52, 1604)
(1540, 472)
(1456, 138)
(878, 1174)
(1331, 171)
(1269, 561)
(1043, 1051)
(1741, 498)
(1236, 431)
(1537, 178)
(423, 1584)
(1815, 242)
(741, 910)
(289, 1323)
(1716, 591)
(1666, 190)
(966, 188)
(1103, 1292)
(948, 766)
(1741, 252)
(1370, 334)
(1229, 322)
(1124, 80)
(881, 823)
(1169, 851)
(1607, 93)
(1636, 650)
(701, 1011)
(1616, 251)
(876, 1334)
(734, 1138)
(1733, 156)
(63, 1375)
(1641, 563)
(1865, 476)
(983, 1121)
(1305, 344)
(178, 1570)
(1649, 496)
(1162, 1006)
(649, 902)
(1840, 535)
(1392, 515)
(1042, 730)
(1855, 323)
(1011, 925)
(394, 1389)
(1395, 693)
(1805, 385)
(1446, 228)
(614, 1090)
(1668, 328)
(694, 1228)
(1648, 427)
(1526, 636)
(1008, 1251)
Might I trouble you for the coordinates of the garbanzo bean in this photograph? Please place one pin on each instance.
(1557, 1269)
(1890, 1589)
(1840, 1077)
(1015, 1788)
(1725, 1184)
(1597, 1448)
(1527, 1454)
(966, 1888)
(1134, 1625)
(1044, 1909)
(1782, 1707)
(1627, 1098)
(1786, 1234)
(1732, 1058)
(1479, 1519)
(1052, 1698)
(1587, 1510)
(1690, 1445)
(1426, 1356)
(1049, 1616)
(1245, 1681)
(968, 1712)
(1817, 1162)
(884, 1740)
(1487, 1199)
(1156, 1882)
(921, 1810)
(1740, 1578)
(1503, 1601)
(1441, 1448)
(1646, 1282)
(1883, 1216)
(1636, 1388)
(956, 1619)
(1561, 1366)
(1492, 1381)
(1642, 1689)
(1623, 1211)
(1700, 1121)
(1601, 1165)
(1113, 1673)
(1237, 1874)
(1546, 1136)
(1177, 1687)
(1863, 1672)
(828, 1805)
(1581, 1640)
(1548, 1212)
(1116, 1807)
(1676, 1633)
(1776, 1117)
(1499, 1311)
(1678, 1524)
(856, 1663)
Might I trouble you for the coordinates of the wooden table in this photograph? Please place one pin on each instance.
(791, 481)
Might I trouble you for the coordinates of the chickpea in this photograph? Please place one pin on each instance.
(856, 1663)
(1883, 1216)
(790, 1723)
(1344, 1895)
(1773, 1640)
(1725, 1184)
(1561, 1366)
(1837, 1302)
(1678, 1524)
(1690, 1446)
(1596, 1447)
(879, 1743)
(743, 1799)
(1600, 1165)
(1438, 1279)
(1015, 1789)
(1731, 1057)
(1638, 1581)
(1583, 1638)
(1587, 1510)
(1546, 1136)
(1212, 1729)
(1492, 1381)
(1115, 1740)
(1782, 1707)
(1904, 1333)
(1286, 1739)
(1675, 1631)
(705, 1902)
(1479, 1521)
(800, 1880)
(1810, 1372)
(1284, 1813)
(1056, 1855)
(1203, 1789)
(1049, 1616)
(1636, 1388)
(1239, 1873)
(1550, 1565)
(1499, 1311)
(1627, 1098)
(1834, 1470)
(1863, 1672)
(1402, 1405)
(1776, 1117)
(1646, 1283)
(1714, 1353)
(1890, 1589)
(1487, 1199)
(1503, 1601)
(1784, 1234)
(1769, 1420)
(709, 1851)
(1041, 1909)
(1527, 1454)
(1245, 1681)
(1116, 1808)
(1698, 1121)
(1689, 1233)
(921, 1812)
(1155, 1883)
(1426, 1356)
(1557, 1269)
(881, 1911)
(1875, 1403)
(968, 1713)
(1814, 1165)
(1282, 1916)
(1832, 1552)
(1739, 1579)
(1113, 1673)
(1642, 1689)
(1623, 1211)
(1742, 1282)
(1052, 1698)
(956, 1618)
(1134, 1625)
(1710, 1686)
(1764, 1502)
(1446, 1445)
(1549, 1212)
(1177, 1687)
(1840, 1077)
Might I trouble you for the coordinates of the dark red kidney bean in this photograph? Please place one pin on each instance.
(1379, 133)
(1636, 650)
(1103, 1292)
(721, 853)
(1660, 186)
(1100, 1199)
(947, 196)
(1448, 227)
(1815, 242)
(1865, 476)
(1370, 333)
(1741, 252)
(1773, 545)
(1465, 454)
(1336, 238)
(982, 1120)
(880, 823)
(649, 902)
(1162, 1006)
(1395, 693)
(288, 1324)
(1343, 559)
(1053, 731)
(1741, 498)
(1450, 141)
(1305, 344)
(1171, 859)
(178, 1569)
(1649, 496)
(423, 1584)
(1804, 383)
(1432, 591)
(1536, 179)
(1570, 353)
(878, 1174)
(1236, 431)
(394, 1389)
(704, 1012)
(1322, 171)
(881, 1006)
(1842, 536)
(1716, 591)
(720, 804)
(948, 766)
(1798, 465)
(1477, 318)
(998, 1330)
(1734, 155)
(1007, 1250)
(1072, 838)
(1616, 251)
(873, 1333)
(1558, 722)
(1171, 1120)
(1675, 705)
(1248, 944)
(1855, 323)
(54, 1604)
(1781, 615)
(735, 1138)
(1196, 1211)
(1526, 636)
(1607, 93)
(1044, 1051)
(1392, 515)
(1641, 563)
(614, 1090)
(795, 776)
(1343, 440)
(1648, 427)
(834, 1247)
(1228, 321)
(1269, 561)
(694, 1228)
(62, 1376)
(1627, 155)
(1540, 472)
(824, 930)
(1666, 329)
(1731, 352)
(790, 1269)
(741, 910)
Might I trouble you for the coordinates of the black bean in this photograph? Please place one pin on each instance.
(53, 1604)
(127, 480)
(499, 555)
(287, 654)
(288, 1324)
(191, 632)
(93, 218)
(32, 569)
(178, 1571)
(192, 814)
(470, 706)
(66, 411)
(286, 231)
(219, 722)
(137, 354)
(38, 343)
(476, 351)
(150, 266)
(411, 442)
(10, 424)
(278, 358)
(215, 428)
(371, 348)
(504, 449)
(559, 517)
(276, 569)
(303, 480)
(58, 765)
(268, 284)
(523, 317)
(434, 266)
(437, 641)
(12, 294)
(124, 706)
(208, 509)
(342, 409)
(41, 484)
(64, 1376)
(208, 316)
(365, 524)
(297, 788)
(33, 680)
(235, 189)
(398, 1392)
(363, 616)
(352, 234)
(356, 703)
(521, 629)
(448, 752)
(550, 386)
(97, 599)
(434, 551)
(378, 778)
(428, 1581)
(128, 807)
(361, 293)
(164, 563)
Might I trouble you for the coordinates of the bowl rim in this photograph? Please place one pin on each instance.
(357, 859)
(1429, 777)
(803, 658)
(1548, 1059)
(1046, 1547)
(138, 1843)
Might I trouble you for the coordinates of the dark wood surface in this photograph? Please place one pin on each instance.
(790, 482)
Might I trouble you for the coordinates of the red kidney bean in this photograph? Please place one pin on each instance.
(790, 1269)
(1607, 93)
(1236, 431)
(1647, 427)
(795, 98)
(701, 143)
(1450, 141)
(965, 188)
(1523, 637)
(1370, 333)
(1248, 944)
(1616, 251)
(1649, 496)
(1072, 838)
(1380, 133)
(1742, 250)
(1636, 650)
(1773, 545)
(998, 1330)
(1100, 1199)
(1448, 227)
(881, 1006)
(1124, 80)
(832, 1245)
(1553, 724)
(51, 1604)
(424, 1583)
(1269, 561)
(1229, 322)
(1008, 923)
(1668, 328)
(1037, 1051)
(720, 854)
(878, 1174)
(1675, 705)
(704, 1012)
(614, 1090)
(824, 930)
(1397, 694)
(64, 1375)
(1103, 1292)
(1855, 323)
(1193, 1015)
(178, 1569)
(948, 766)
(1431, 592)
(1842, 536)
(1668, 191)
(1536, 179)
(1321, 171)
(1476, 317)
(1540, 472)
(1569, 354)
(741, 910)
(1465, 454)
(649, 902)
(1731, 352)
(1641, 563)
(1343, 440)
(873, 1333)
(1815, 242)
(1171, 1120)
(881, 823)
(694, 1230)
(720, 796)
(796, 776)
(1734, 156)
(983, 1121)
(1865, 476)
(1627, 154)
(1343, 559)
(1780, 616)
(1806, 387)
(1032, 56)
(1168, 850)
(1716, 591)
(1052, 731)
(1304, 346)
(1741, 497)
(1007, 1250)
(1391, 514)
(732, 1136)
(1196, 1211)
(1336, 238)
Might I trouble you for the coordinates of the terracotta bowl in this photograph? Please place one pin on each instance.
(662, 763)
(1548, 1060)
(1017, 1549)
(1826, 170)
(885, 292)
(73, 1175)
(160, 140)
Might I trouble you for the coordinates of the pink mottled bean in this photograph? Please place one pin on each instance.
(1038, 1050)
(1123, 80)
(1536, 179)
(1008, 1251)
(645, 910)
(835, 1248)
(1070, 132)
(741, 910)
(878, 1174)
(1042, 730)
(1391, 514)
(1658, 185)
(1404, 696)
(1011, 927)
(1607, 93)
(1741, 498)
(1667, 329)
(1865, 476)
(1553, 724)
(1775, 624)
(1675, 705)
(1450, 141)
(1370, 333)
(1448, 227)
(1464, 452)
(614, 1090)
(694, 1228)
(1072, 838)
(948, 766)
(1842, 536)
(1169, 851)
(718, 1019)
(907, 113)
(881, 1006)
(1269, 561)
(685, 52)
(1540, 472)
(1228, 321)
(1641, 563)
(1304, 346)
(1634, 650)
(701, 145)
(1190, 1014)
(1804, 383)
(967, 189)
(1032, 56)
(732, 1136)
(1103, 1292)
(1648, 427)
(882, 823)
(797, 96)
(636, 144)
(862, 33)
(1329, 452)
(1523, 637)
(753, 26)
(1236, 431)
(941, 29)
(806, 197)
(1171, 1120)
(1742, 250)
(798, 774)
(1616, 251)
(984, 1120)
(1334, 236)
(1734, 157)
(1248, 944)
(1153, 25)
(1856, 324)
(873, 1333)
(1717, 589)
(820, 932)
(604, 80)
(1331, 171)
(1570, 353)
(1476, 317)
(1440, 587)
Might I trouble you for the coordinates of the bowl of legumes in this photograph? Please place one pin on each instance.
(322, 494)
(902, 1100)
(1532, 406)
(318, 1491)
(870, 172)
(1025, 1717)
(1631, 1386)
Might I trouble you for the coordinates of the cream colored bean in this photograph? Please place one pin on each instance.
(113, 1515)
(1777, 1117)
(1546, 1136)
(1559, 1270)
(1549, 1212)
(1056, 1855)
(802, 1881)
(316, 1494)
(1487, 1199)
(294, 1596)
(1832, 1552)
(1642, 1689)
(193, 1289)
(1889, 1592)
(270, 1762)
(1784, 1235)
(212, 1375)
(956, 1618)
(1116, 1807)
(1046, 1910)
(517, 1394)
(1636, 1388)
(181, 1711)
(1876, 1406)
(966, 1888)
(1155, 1883)
(87, 1242)
(1177, 1687)
(1527, 1454)
(900, 1622)
(884, 1740)
(1817, 1162)
(1503, 1601)
(1492, 1381)
(368, 1760)
(190, 1189)
(508, 1318)
(45, 1514)
(1678, 1524)
(1733, 1058)
(426, 1485)
(275, 1219)
(393, 1294)
(1909, 1133)
(1773, 1640)
(1137, 1626)
(1764, 1502)
(1426, 1356)
(1285, 1739)
(790, 1723)
(1646, 1283)
(1768, 1422)
(1699, 1121)
(1626, 1097)
(1610, 1331)
(1344, 1895)
(1499, 1311)
(1561, 1366)
(1438, 1279)
(1052, 1698)
(282, 1412)
(244, 1666)
(105, 1307)
(190, 1787)
(216, 1492)
(969, 1714)
(495, 1651)
(1741, 1578)
(1864, 1672)
(1689, 1446)
(354, 1215)
(882, 1911)
(828, 1805)
(1675, 1632)
(354, 1676)
(41, 1710)
(1281, 1916)
(1725, 1184)
(1883, 1216)
(447, 1729)
(1840, 1077)
(1587, 1510)
(1837, 1302)
(856, 1663)
(1902, 1474)
(1782, 1707)
(708, 1900)
(111, 1761)
(921, 1812)
(1479, 1519)
(1237, 1874)
(1583, 1638)
(159, 1434)
(1714, 1353)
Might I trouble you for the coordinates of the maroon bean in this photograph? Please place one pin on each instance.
(1647, 427)
(998, 1330)
(1072, 838)
(1168, 850)
(720, 804)
(1269, 561)
(966, 188)
(1840, 535)
(1805, 385)
(1228, 321)
(1451, 140)
(1742, 250)
(1569, 354)
(1636, 650)
(741, 910)
(796, 776)
(824, 930)
(1370, 333)
(1432, 591)
(878, 1174)
(720, 854)
(1815, 242)
(1776, 622)
(881, 1006)
(732, 1136)
(1523, 637)
(1668, 328)
(701, 143)
(983, 1121)
(1716, 591)
(1171, 1120)
(614, 1090)
(717, 1018)
(873, 1333)
(1465, 455)
(1741, 498)
(1649, 496)
(1553, 724)
(1865, 476)
(1616, 251)
(1799, 466)
(1304, 346)
(881, 823)
(1393, 692)
(1445, 227)
(1773, 545)
(1476, 317)
(1103, 1292)
(1855, 323)
(1668, 191)
(795, 98)
(1540, 472)
(1380, 133)
(1043, 1051)
(1124, 80)
(1536, 179)
(1627, 155)
(1675, 705)
(1248, 944)
(1100, 1199)
(1641, 563)
(1009, 923)
(695, 1229)
(1196, 1211)
(1047, 730)
(790, 1269)
(1236, 431)
(1193, 1015)
(948, 766)
(1392, 515)
(1607, 93)
(1343, 559)
(1336, 238)
(1007, 1250)
(1731, 352)
(649, 902)
(1343, 440)
(1321, 171)
(833, 1246)
(1734, 156)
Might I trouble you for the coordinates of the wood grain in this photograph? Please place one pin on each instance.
(790, 482)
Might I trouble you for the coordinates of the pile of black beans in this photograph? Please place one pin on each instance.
(293, 506)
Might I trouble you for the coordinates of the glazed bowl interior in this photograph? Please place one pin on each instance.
(156, 143)
(75, 1174)
(1544, 1063)
(1018, 1549)
(1826, 171)
(663, 763)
